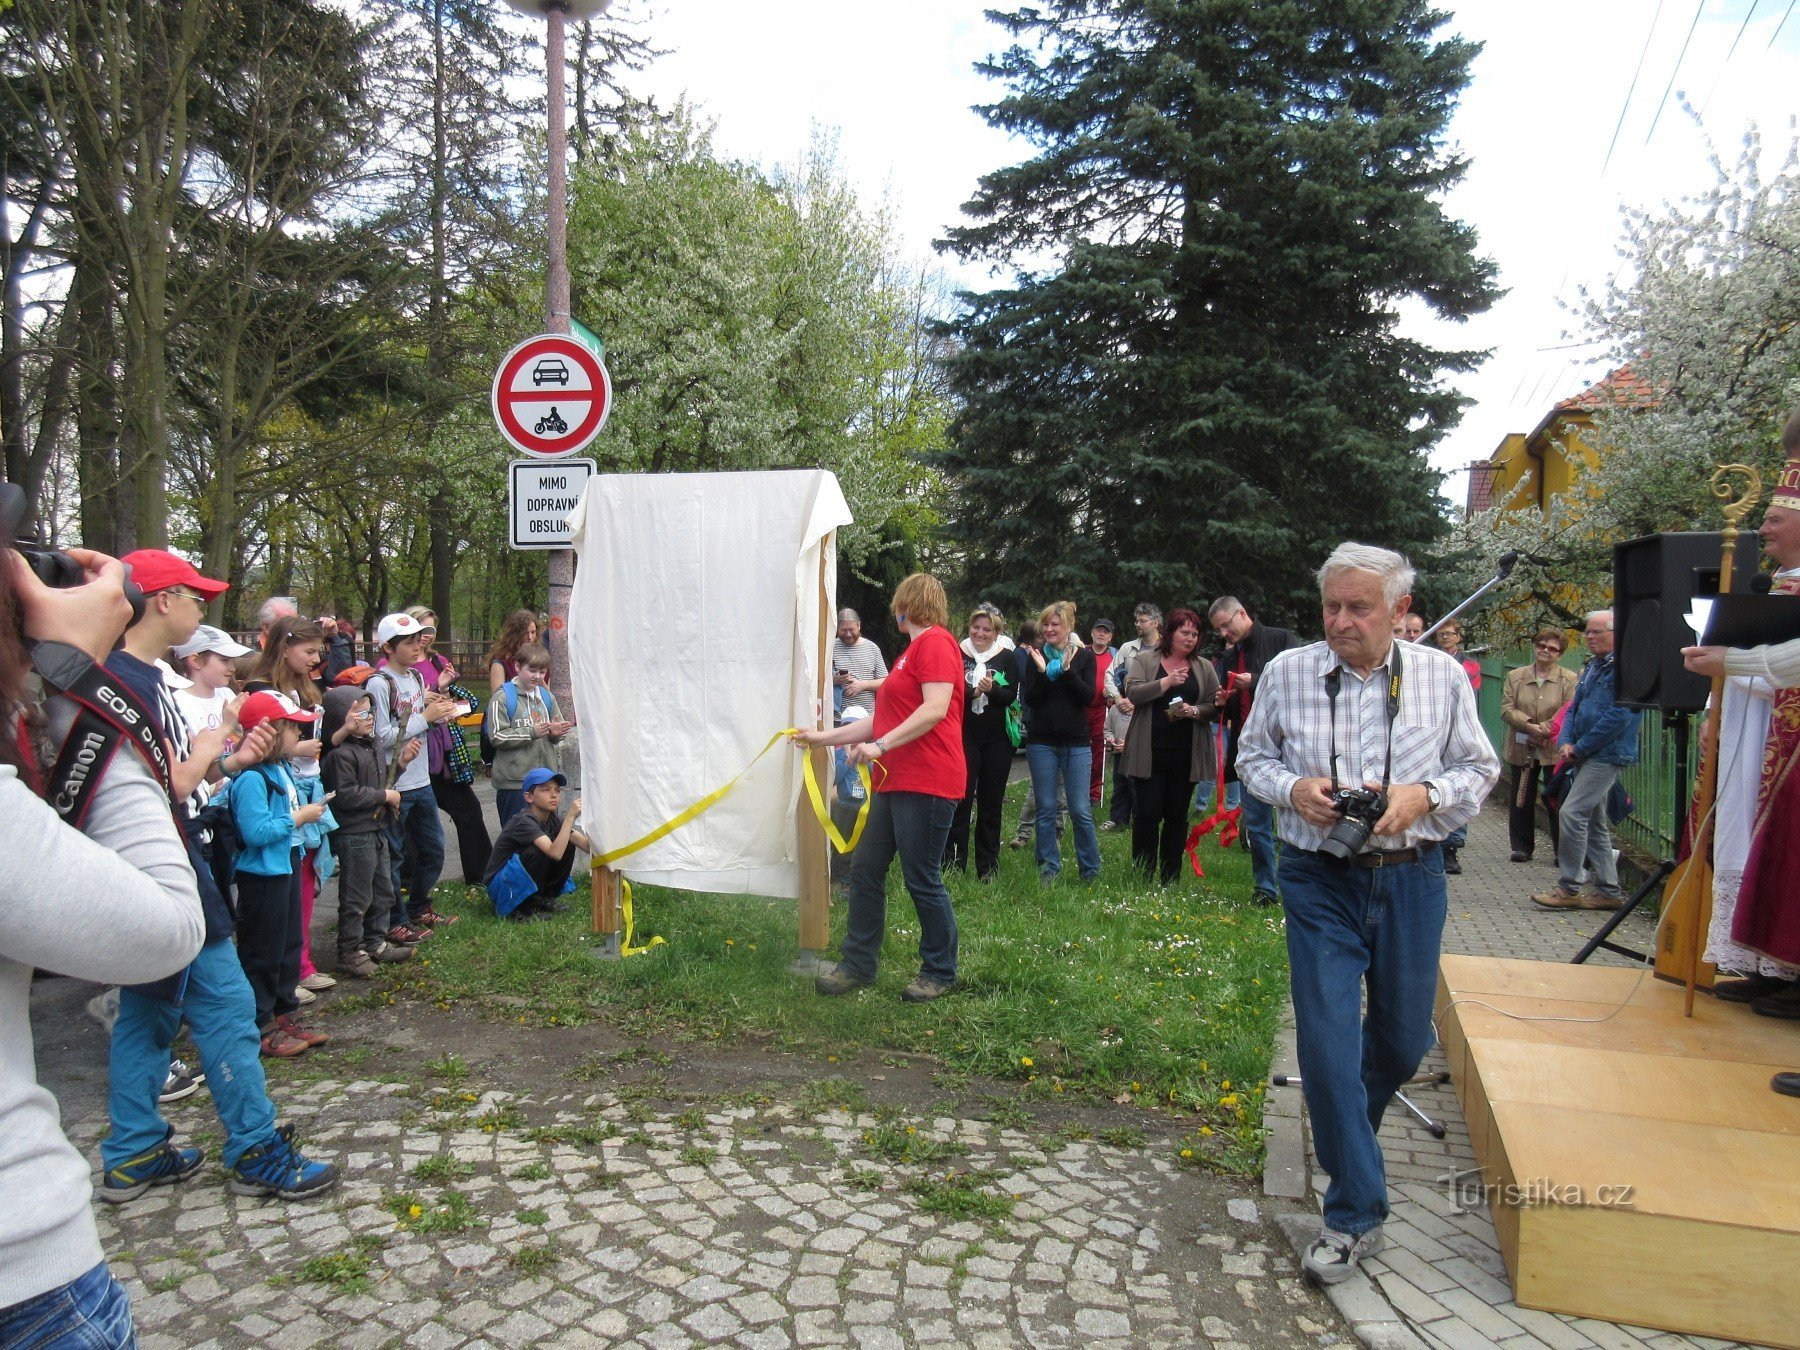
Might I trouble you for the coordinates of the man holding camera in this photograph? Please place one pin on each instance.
(1371, 752)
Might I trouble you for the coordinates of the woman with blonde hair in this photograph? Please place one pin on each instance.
(914, 746)
(1058, 687)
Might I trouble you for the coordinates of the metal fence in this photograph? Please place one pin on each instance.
(468, 655)
(1653, 782)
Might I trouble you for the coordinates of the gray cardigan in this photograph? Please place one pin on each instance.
(1143, 686)
(117, 908)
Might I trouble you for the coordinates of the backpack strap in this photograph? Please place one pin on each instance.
(512, 700)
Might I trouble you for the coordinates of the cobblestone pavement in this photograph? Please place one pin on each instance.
(1441, 1282)
(476, 1218)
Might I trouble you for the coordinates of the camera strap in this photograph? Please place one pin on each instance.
(1334, 683)
(110, 715)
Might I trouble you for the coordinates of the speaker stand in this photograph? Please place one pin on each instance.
(1676, 721)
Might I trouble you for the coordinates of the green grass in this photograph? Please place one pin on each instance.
(898, 1142)
(960, 1196)
(573, 1132)
(533, 1171)
(534, 1216)
(1172, 997)
(442, 1167)
(346, 1271)
(535, 1258)
(452, 1214)
(832, 1094)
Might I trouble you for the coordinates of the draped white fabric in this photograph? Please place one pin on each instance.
(693, 637)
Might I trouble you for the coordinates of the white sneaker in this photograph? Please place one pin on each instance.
(1334, 1257)
(303, 995)
(104, 1008)
(318, 981)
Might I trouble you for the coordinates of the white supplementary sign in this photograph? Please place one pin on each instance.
(541, 493)
(551, 396)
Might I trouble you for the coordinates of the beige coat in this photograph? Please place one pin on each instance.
(1143, 682)
(1526, 697)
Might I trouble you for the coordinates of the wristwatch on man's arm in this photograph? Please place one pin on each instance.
(1433, 798)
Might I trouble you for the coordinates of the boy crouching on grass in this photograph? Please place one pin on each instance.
(354, 771)
(535, 853)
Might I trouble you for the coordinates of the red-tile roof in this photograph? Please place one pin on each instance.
(1481, 484)
(1624, 387)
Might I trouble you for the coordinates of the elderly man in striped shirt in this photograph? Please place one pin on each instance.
(1363, 905)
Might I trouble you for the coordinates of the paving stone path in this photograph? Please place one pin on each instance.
(474, 1218)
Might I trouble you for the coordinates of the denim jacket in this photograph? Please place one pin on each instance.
(1597, 727)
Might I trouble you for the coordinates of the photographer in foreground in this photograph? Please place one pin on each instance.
(77, 907)
(1371, 752)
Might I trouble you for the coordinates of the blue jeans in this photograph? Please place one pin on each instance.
(221, 1013)
(1259, 829)
(1347, 927)
(508, 802)
(1072, 764)
(416, 848)
(1203, 794)
(916, 827)
(89, 1313)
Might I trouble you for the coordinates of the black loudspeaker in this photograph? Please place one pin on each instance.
(1654, 578)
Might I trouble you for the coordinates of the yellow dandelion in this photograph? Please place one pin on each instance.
(1229, 1100)
(730, 943)
(1206, 1129)
(414, 1212)
(1187, 1152)
(1025, 1061)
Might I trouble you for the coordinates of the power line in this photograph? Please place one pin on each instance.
(1680, 57)
(1743, 28)
(1783, 24)
(1633, 89)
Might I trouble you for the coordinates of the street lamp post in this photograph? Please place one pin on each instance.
(556, 14)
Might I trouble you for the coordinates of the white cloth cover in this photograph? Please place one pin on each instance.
(693, 637)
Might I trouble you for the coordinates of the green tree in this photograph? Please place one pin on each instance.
(756, 322)
(1196, 384)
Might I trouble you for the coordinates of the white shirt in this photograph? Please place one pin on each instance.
(1437, 738)
(203, 713)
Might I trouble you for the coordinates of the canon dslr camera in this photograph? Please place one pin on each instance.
(52, 566)
(1360, 809)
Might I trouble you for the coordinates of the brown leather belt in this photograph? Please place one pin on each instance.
(1393, 857)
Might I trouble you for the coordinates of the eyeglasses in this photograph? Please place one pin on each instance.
(1548, 646)
(199, 600)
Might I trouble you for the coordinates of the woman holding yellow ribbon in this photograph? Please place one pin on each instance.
(914, 746)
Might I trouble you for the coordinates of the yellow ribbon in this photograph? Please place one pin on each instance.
(712, 799)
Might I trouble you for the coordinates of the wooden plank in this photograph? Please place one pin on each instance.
(1655, 1271)
(1652, 1025)
(1483, 975)
(606, 900)
(1729, 1094)
(814, 849)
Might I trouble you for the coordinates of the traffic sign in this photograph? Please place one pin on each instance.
(541, 493)
(551, 396)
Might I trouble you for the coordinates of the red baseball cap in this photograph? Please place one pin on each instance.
(156, 569)
(268, 706)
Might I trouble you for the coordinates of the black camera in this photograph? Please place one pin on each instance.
(51, 566)
(1360, 809)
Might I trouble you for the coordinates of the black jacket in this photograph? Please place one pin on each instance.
(990, 723)
(1059, 707)
(1260, 646)
(354, 770)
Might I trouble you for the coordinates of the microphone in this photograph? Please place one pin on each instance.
(1507, 562)
(1761, 582)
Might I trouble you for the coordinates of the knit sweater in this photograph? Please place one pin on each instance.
(117, 908)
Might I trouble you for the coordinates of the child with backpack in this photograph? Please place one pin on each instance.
(266, 812)
(526, 728)
(356, 774)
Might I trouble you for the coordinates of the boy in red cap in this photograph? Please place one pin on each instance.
(266, 811)
(211, 995)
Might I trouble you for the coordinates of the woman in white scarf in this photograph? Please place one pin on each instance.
(988, 668)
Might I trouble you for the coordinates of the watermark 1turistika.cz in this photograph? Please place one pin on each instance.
(1468, 1191)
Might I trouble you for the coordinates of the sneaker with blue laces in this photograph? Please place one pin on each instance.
(161, 1166)
(278, 1168)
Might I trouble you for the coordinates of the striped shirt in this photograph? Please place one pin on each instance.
(1437, 738)
(864, 661)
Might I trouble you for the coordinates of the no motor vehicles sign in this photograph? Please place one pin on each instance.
(542, 493)
(551, 396)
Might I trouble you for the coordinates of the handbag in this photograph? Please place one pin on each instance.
(510, 887)
(1015, 726)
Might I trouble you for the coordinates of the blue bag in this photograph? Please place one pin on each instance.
(511, 887)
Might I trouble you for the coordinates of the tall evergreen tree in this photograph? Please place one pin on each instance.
(1202, 388)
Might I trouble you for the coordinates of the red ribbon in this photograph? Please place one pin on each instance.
(1223, 819)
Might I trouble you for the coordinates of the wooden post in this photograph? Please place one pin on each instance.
(606, 910)
(814, 849)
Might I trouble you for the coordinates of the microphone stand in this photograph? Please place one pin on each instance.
(1507, 562)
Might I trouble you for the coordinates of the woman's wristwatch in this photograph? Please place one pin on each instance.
(881, 745)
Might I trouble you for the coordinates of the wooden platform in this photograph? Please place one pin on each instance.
(1565, 1116)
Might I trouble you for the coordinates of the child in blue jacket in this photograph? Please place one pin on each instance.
(269, 817)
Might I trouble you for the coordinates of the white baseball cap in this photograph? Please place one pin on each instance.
(209, 639)
(397, 626)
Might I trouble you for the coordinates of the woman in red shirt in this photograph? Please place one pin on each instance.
(914, 746)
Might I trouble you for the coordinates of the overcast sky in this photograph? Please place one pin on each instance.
(894, 84)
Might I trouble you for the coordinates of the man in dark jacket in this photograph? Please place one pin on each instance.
(340, 647)
(1249, 646)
